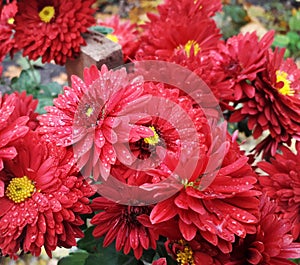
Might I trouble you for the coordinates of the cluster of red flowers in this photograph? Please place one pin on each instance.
(116, 128)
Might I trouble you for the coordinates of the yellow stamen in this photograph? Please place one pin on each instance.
(19, 189)
(11, 21)
(89, 112)
(152, 140)
(185, 256)
(188, 46)
(47, 13)
(286, 89)
(112, 37)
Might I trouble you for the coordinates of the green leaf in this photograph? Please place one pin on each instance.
(52, 89)
(28, 80)
(281, 40)
(293, 37)
(27, 64)
(236, 12)
(75, 258)
(102, 29)
(294, 22)
(88, 242)
(43, 102)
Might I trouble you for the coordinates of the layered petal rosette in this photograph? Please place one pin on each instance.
(87, 117)
(42, 197)
(52, 29)
(169, 32)
(274, 105)
(282, 184)
(228, 207)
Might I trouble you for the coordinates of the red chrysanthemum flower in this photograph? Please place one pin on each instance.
(12, 127)
(195, 252)
(272, 244)
(125, 33)
(87, 116)
(274, 105)
(236, 66)
(227, 207)
(283, 184)
(42, 197)
(169, 32)
(120, 223)
(175, 123)
(7, 18)
(52, 29)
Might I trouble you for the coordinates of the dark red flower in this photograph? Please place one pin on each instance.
(227, 207)
(236, 65)
(42, 197)
(274, 105)
(52, 29)
(282, 184)
(272, 244)
(88, 116)
(7, 18)
(176, 28)
(125, 33)
(12, 127)
(120, 223)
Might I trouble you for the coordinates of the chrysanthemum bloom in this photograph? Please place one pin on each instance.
(125, 33)
(11, 127)
(274, 105)
(282, 184)
(272, 244)
(52, 29)
(86, 117)
(7, 14)
(227, 207)
(195, 252)
(120, 223)
(168, 32)
(175, 123)
(234, 62)
(42, 197)
(24, 105)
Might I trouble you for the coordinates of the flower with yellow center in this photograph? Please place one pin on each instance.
(152, 140)
(286, 89)
(112, 37)
(47, 13)
(89, 112)
(188, 46)
(11, 21)
(185, 256)
(19, 189)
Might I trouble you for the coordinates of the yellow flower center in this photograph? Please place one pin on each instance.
(47, 13)
(19, 189)
(188, 46)
(185, 256)
(11, 21)
(112, 37)
(89, 112)
(152, 140)
(286, 89)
